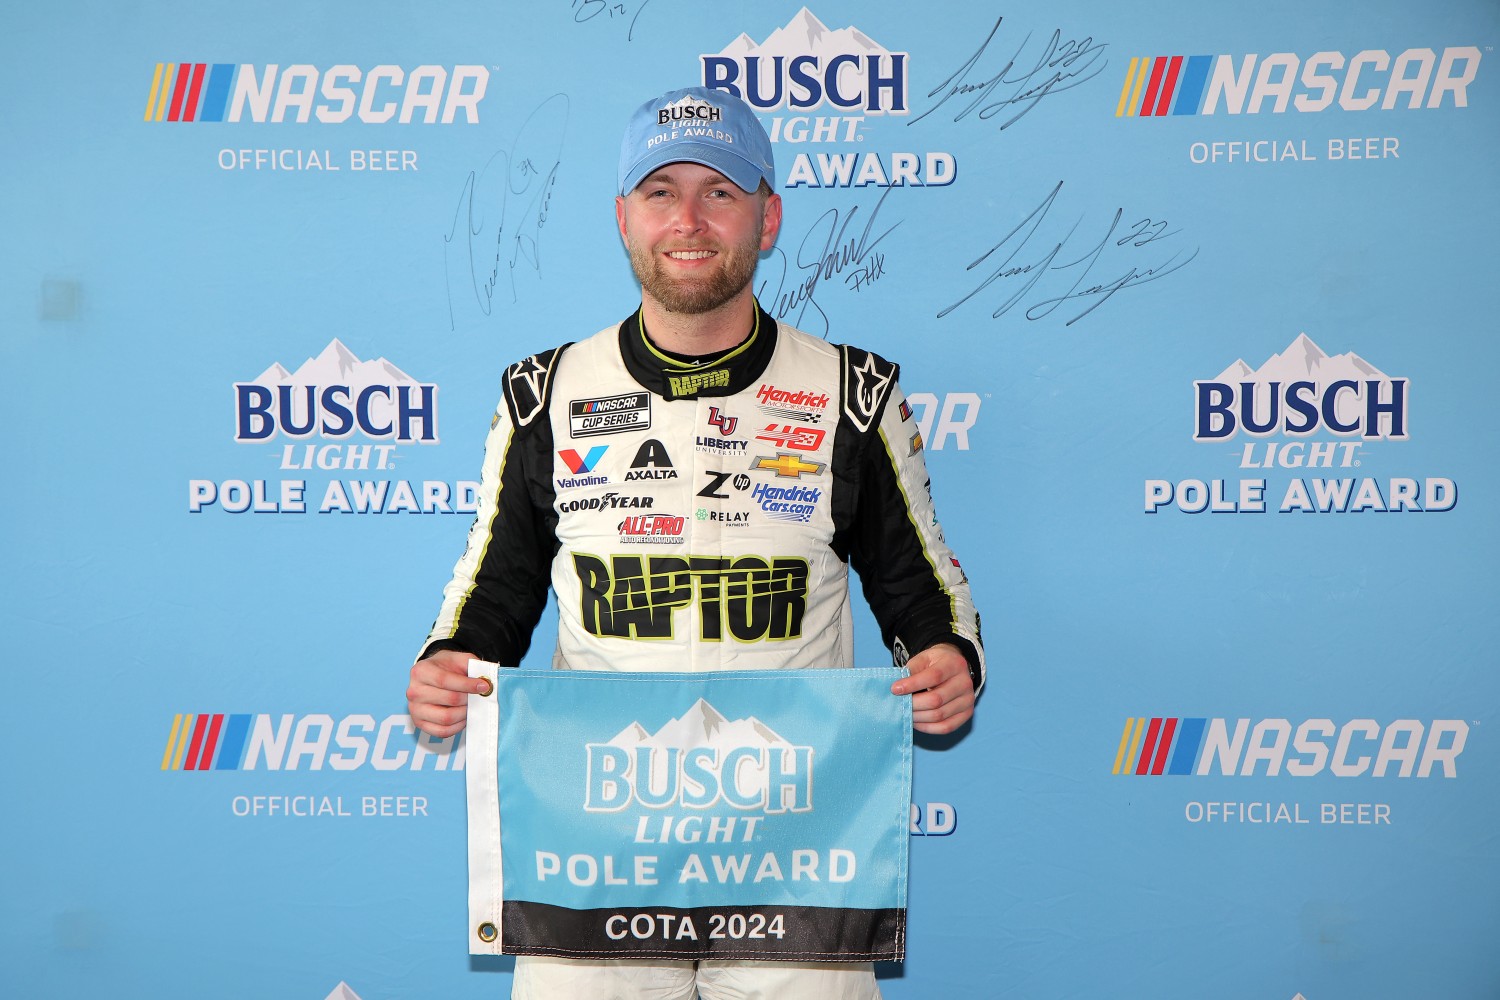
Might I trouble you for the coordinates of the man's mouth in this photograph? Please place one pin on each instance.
(691, 254)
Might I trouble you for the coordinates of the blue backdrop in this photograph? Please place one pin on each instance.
(1190, 303)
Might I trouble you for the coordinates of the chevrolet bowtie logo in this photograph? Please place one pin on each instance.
(789, 466)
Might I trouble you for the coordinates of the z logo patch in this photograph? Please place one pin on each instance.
(741, 482)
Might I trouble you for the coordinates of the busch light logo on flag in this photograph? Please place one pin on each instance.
(729, 815)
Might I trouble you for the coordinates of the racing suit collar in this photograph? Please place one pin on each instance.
(722, 375)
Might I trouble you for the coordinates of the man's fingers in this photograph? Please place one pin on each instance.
(922, 680)
(450, 674)
(952, 690)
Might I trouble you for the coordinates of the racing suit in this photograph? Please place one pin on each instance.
(702, 516)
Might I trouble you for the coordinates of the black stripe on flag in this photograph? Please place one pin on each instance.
(765, 932)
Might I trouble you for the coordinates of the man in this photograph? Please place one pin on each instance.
(693, 483)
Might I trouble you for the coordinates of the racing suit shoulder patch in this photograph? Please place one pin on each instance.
(865, 381)
(528, 383)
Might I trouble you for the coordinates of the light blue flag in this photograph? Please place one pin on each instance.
(750, 814)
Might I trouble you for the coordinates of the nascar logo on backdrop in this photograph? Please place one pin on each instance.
(1266, 749)
(310, 742)
(1204, 86)
(227, 94)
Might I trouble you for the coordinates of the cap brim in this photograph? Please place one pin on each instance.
(746, 175)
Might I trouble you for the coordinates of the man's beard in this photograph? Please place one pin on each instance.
(697, 295)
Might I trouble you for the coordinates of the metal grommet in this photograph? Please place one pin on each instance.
(489, 687)
(488, 933)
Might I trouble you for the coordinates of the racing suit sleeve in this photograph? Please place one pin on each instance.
(918, 592)
(499, 585)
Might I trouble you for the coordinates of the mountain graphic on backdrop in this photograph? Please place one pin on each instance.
(1304, 361)
(336, 365)
(804, 34)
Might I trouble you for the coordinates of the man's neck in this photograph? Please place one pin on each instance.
(699, 334)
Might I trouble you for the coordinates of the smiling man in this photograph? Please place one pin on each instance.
(769, 460)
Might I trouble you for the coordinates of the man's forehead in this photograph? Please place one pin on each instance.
(685, 171)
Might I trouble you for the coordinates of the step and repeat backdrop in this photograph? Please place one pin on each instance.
(1194, 307)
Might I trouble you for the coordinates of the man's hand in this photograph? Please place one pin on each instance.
(438, 695)
(942, 690)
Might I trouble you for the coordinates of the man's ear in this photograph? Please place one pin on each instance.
(771, 220)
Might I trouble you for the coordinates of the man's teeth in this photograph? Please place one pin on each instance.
(689, 254)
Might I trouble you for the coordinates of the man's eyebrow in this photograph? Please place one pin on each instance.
(664, 175)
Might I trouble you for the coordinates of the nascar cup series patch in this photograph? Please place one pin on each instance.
(732, 815)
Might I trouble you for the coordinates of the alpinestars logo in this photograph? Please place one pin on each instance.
(1302, 409)
(700, 760)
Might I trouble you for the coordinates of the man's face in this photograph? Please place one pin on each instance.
(694, 237)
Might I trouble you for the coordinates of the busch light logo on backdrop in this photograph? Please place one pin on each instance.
(805, 66)
(819, 85)
(1322, 417)
(336, 395)
(1298, 393)
(334, 413)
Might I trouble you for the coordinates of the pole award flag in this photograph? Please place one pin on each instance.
(743, 815)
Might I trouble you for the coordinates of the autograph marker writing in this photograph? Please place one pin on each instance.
(1062, 65)
(502, 210)
(1021, 275)
(828, 249)
(587, 10)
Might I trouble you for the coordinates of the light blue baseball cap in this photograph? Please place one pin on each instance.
(697, 125)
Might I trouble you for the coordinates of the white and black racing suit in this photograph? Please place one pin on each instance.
(703, 517)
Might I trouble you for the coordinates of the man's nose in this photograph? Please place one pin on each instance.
(688, 216)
